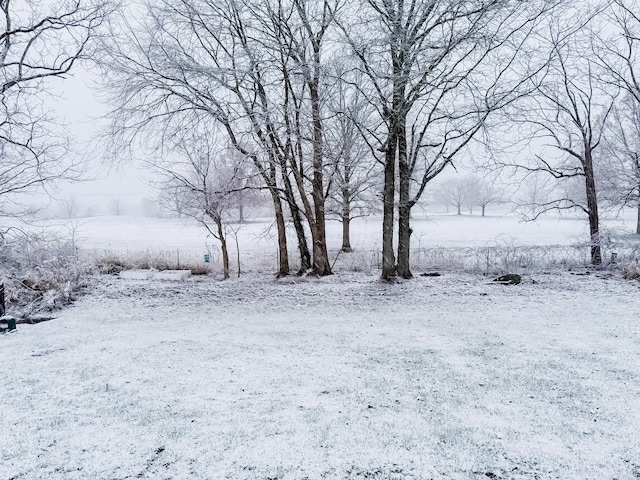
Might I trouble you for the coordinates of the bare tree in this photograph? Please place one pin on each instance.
(566, 117)
(39, 41)
(354, 175)
(457, 192)
(619, 167)
(297, 30)
(204, 177)
(434, 71)
(618, 51)
(486, 192)
(256, 69)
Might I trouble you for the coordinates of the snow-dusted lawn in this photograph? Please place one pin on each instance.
(135, 233)
(332, 378)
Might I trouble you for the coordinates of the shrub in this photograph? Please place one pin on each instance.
(41, 272)
(631, 272)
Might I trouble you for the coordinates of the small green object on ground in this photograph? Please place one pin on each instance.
(7, 324)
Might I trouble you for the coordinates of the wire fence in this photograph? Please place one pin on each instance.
(516, 258)
(493, 259)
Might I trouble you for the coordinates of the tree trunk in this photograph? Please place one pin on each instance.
(296, 217)
(404, 207)
(346, 206)
(483, 207)
(321, 265)
(346, 220)
(592, 207)
(238, 253)
(388, 194)
(638, 221)
(303, 247)
(459, 212)
(346, 244)
(223, 247)
(283, 254)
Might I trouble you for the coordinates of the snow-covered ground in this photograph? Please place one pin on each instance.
(139, 233)
(330, 378)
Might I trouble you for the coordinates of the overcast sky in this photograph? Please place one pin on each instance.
(78, 106)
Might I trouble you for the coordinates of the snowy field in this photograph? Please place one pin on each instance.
(139, 233)
(480, 244)
(344, 377)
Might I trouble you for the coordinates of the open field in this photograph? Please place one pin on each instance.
(344, 377)
(468, 242)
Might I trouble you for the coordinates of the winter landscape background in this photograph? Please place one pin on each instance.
(337, 377)
(259, 239)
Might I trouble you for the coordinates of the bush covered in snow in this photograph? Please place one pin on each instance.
(631, 272)
(41, 271)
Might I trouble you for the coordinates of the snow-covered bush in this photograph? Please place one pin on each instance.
(41, 271)
(624, 256)
(631, 271)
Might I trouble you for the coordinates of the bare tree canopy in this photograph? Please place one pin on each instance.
(434, 71)
(563, 120)
(254, 68)
(619, 167)
(39, 41)
(618, 52)
(328, 99)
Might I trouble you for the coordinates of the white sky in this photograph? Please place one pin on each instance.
(77, 105)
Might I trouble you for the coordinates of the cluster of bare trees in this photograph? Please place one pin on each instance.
(329, 101)
(322, 97)
(469, 191)
(253, 72)
(339, 108)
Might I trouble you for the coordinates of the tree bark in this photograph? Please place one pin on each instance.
(303, 247)
(638, 220)
(296, 217)
(592, 207)
(388, 194)
(223, 247)
(346, 220)
(321, 265)
(404, 206)
(346, 244)
(283, 254)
